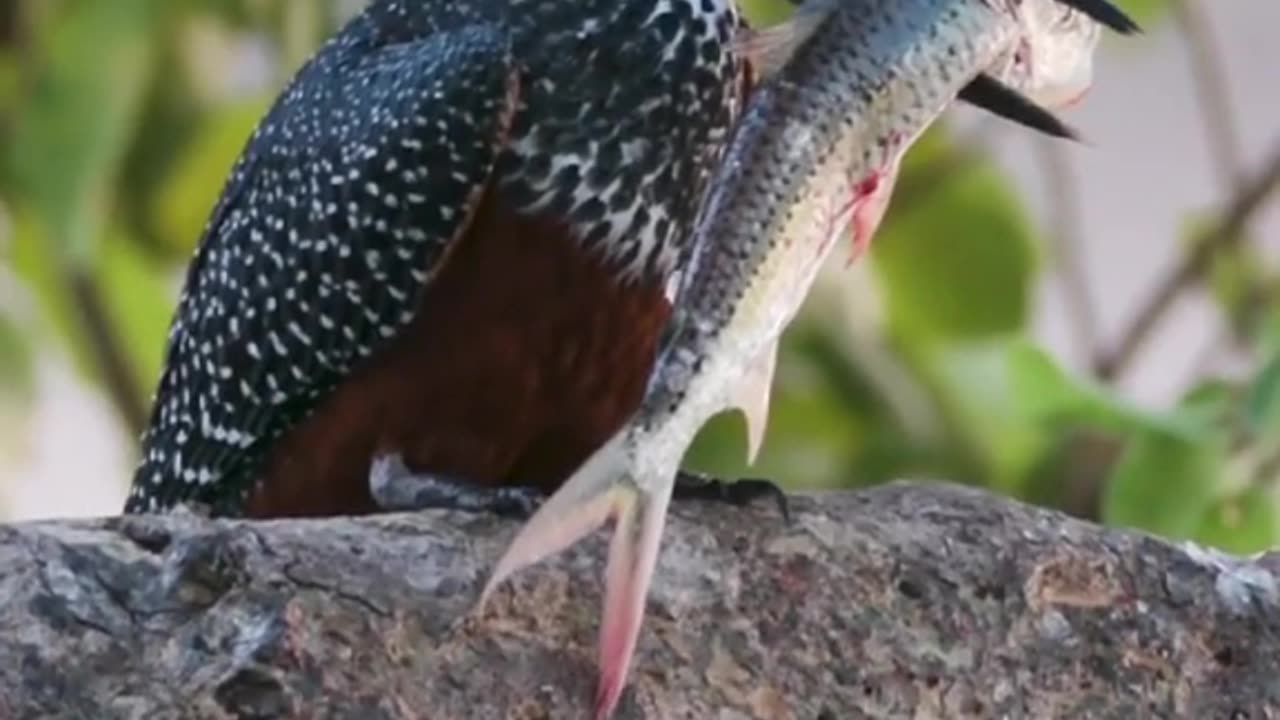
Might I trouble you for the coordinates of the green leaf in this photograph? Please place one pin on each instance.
(35, 259)
(971, 384)
(812, 437)
(16, 370)
(1046, 393)
(304, 26)
(762, 13)
(10, 81)
(1268, 332)
(183, 205)
(1262, 404)
(1163, 483)
(1245, 523)
(1235, 273)
(74, 130)
(139, 306)
(1211, 406)
(1146, 13)
(956, 261)
(71, 133)
(1210, 399)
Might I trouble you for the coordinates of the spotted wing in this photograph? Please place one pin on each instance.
(341, 207)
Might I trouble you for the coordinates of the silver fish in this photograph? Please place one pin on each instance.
(849, 85)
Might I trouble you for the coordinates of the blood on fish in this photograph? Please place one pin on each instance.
(858, 191)
(836, 217)
(854, 207)
(867, 186)
(869, 198)
(865, 219)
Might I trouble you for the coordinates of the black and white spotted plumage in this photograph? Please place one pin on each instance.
(610, 113)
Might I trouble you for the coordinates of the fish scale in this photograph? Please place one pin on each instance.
(850, 85)
(813, 117)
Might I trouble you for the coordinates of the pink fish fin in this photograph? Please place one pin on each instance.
(633, 556)
(599, 489)
(875, 192)
(605, 486)
(751, 396)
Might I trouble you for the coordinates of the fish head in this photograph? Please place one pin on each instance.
(1057, 51)
(1051, 60)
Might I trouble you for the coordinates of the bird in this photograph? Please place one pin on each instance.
(440, 270)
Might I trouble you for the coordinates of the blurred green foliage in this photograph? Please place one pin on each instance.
(119, 121)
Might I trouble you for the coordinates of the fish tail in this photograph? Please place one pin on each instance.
(633, 556)
(594, 493)
(604, 487)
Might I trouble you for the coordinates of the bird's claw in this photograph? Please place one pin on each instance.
(396, 488)
(738, 491)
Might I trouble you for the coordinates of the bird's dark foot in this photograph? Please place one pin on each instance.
(396, 488)
(741, 491)
(193, 508)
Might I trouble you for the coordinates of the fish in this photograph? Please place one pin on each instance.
(846, 87)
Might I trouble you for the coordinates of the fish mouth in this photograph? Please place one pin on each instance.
(1078, 97)
(1064, 97)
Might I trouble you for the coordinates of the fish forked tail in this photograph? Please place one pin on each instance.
(633, 556)
(583, 503)
(605, 486)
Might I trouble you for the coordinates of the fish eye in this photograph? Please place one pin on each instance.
(1022, 55)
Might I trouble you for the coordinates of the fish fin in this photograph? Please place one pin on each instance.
(603, 487)
(633, 556)
(768, 49)
(583, 503)
(870, 209)
(999, 99)
(751, 396)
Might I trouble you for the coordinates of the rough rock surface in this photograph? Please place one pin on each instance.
(905, 601)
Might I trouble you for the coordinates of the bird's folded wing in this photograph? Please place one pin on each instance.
(338, 213)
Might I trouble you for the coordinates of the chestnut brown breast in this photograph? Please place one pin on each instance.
(526, 355)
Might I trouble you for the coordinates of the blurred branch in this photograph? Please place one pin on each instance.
(1081, 487)
(1065, 233)
(1211, 85)
(1216, 110)
(1222, 337)
(1218, 115)
(9, 22)
(1228, 232)
(1244, 320)
(13, 37)
(108, 355)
